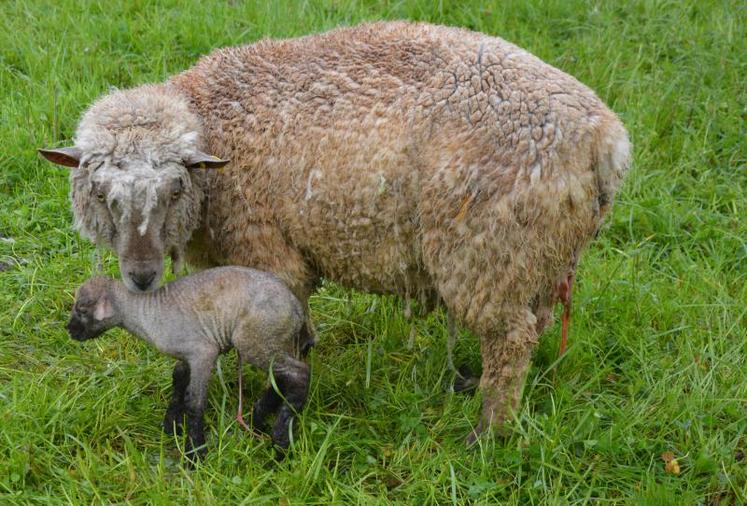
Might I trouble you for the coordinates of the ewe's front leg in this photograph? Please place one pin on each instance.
(174, 419)
(505, 360)
(195, 402)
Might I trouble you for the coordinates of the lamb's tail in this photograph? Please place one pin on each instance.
(306, 337)
(611, 160)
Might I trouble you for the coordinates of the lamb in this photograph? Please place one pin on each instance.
(425, 161)
(198, 317)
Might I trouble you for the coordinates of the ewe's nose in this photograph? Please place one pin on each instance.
(142, 279)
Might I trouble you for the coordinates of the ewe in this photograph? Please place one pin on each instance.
(431, 162)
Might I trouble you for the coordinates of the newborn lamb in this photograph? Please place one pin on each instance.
(198, 317)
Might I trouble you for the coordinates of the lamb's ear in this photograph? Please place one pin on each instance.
(69, 157)
(202, 160)
(103, 309)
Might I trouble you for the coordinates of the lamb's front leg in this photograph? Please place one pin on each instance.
(201, 367)
(292, 378)
(174, 419)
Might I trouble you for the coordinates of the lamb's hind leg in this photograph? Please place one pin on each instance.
(265, 406)
(292, 379)
(505, 358)
(174, 418)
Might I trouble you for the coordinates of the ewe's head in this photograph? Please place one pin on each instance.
(93, 311)
(134, 184)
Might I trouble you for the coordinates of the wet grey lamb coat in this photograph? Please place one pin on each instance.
(426, 161)
(195, 319)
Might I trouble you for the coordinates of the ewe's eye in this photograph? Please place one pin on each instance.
(101, 197)
(176, 194)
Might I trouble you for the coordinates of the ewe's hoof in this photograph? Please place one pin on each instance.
(471, 439)
(474, 435)
(499, 429)
(466, 381)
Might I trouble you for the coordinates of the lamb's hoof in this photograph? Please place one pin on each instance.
(172, 422)
(193, 455)
(260, 429)
(171, 428)
(280, 454)
(281, 442)
(281, 445)
(466, 381)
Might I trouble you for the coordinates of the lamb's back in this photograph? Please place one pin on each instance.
(239, 307)
(230, 289)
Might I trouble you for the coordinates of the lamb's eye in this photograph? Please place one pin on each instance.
(176, 194)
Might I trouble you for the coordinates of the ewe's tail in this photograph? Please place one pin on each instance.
(611, 159)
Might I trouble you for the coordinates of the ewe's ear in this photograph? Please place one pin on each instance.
(202, 160)
(103, 309)
(69, 157)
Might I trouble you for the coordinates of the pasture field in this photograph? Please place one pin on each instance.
(657, 360)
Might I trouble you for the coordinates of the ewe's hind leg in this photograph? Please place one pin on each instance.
(505, 360)
(174, 419)
(292, 379)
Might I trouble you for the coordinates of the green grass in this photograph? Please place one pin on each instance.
(658, 343)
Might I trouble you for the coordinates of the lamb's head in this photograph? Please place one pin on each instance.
(135, 183)
(93, 311)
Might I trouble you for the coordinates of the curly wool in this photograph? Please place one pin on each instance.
(152, 121)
